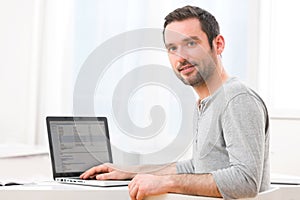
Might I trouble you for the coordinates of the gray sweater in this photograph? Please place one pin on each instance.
(231, 141)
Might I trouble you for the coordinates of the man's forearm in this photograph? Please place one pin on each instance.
(164, 169)
(193, 184)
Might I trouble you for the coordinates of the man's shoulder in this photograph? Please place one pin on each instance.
(234, 87)
(234, 92)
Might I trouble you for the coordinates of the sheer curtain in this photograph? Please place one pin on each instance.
(18, 87)
(56, 64)
(36, 67)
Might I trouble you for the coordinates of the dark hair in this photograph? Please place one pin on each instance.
(208, 22)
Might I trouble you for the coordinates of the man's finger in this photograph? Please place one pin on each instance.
(140, 195)
(93, 171)
(133, 191)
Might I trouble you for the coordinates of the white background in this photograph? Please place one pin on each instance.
(44, 43)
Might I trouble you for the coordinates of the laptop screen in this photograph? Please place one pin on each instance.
(77, 144)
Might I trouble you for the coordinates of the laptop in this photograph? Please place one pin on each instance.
(77, 144)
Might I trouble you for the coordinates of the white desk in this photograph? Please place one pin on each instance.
(50, 191)
(285, 193)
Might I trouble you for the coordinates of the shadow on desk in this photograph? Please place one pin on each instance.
(271, 194)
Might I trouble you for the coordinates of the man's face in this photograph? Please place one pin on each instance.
(190, 54)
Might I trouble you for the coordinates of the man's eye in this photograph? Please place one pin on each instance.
(191, 43)
(172, 49)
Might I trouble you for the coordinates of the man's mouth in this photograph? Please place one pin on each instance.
(186, 69)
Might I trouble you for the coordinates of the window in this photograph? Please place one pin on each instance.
(278, 69)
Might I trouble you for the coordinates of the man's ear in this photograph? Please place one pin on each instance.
(219, 44)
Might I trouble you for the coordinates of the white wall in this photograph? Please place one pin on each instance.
(285, 146)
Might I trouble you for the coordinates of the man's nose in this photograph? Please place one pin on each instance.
(180, 57)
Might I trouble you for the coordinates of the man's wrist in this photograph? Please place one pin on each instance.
(171, 183)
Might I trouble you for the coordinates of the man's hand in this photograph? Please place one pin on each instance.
(107, 171)
(146, 184)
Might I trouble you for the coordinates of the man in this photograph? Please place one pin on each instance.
(231, 146)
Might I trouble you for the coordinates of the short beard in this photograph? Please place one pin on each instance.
(196, 81)
(202, 75)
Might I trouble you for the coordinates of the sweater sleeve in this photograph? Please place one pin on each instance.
(185, 167)
(243, 124)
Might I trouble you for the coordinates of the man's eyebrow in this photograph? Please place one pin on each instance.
(167, 45)
(192, 37)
